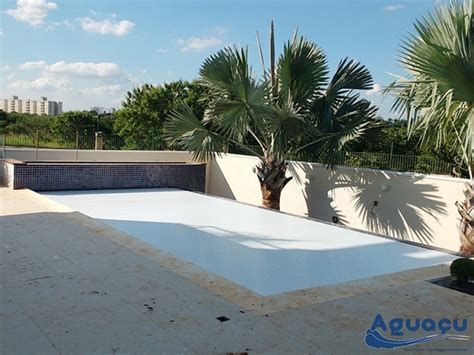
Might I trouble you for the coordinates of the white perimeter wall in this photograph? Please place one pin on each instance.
(29, 154)
(410, 206)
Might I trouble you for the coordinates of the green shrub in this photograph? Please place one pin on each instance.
(462, 269)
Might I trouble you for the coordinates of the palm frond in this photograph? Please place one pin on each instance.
(285, 125)
(302, 72)
(438, 96)
(339, 125)
(237, 96)
(442, 49)
(350, 75)
(184, 129)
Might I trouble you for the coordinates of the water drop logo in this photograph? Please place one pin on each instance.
(400, 328)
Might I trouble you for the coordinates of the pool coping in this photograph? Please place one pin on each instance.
(240, 295)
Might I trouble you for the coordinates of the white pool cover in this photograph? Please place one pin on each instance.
(265, 251)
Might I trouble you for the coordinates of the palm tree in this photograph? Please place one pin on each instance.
(293, 108)
(438, 96)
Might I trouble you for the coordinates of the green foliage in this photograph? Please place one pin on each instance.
(25, 124)
(394, 136)
(438, 95)
(293, 108)
(462, 269)
(68, 123)
(389, 136)
(144, 110)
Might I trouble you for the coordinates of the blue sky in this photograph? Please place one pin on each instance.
(88, 53)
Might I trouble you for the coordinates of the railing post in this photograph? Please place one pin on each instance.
(3, 145)
(77, 145)
(99, 141)
(37, 143)
(391, 156)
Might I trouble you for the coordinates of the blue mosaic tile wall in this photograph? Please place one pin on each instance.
(89, 176)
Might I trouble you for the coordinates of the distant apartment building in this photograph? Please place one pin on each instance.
(34, 107)
(102, 110)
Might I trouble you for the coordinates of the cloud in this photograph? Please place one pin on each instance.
(107, 27)
(221, 30)
(198, 43)
(376, 90)
(393, 7)
(66, 23)
(41, 64)
(43, 83)
(8, 72)
(76, 69)
(103, 90)
(162, 50)
(32, 12)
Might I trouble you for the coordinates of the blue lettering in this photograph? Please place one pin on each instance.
(444, 325)
(457, 327)
(396, 325)
(379, 323)
(428, 325)
(413, 328)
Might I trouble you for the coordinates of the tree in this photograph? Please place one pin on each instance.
(294, 107)
(25, 124)
(388, 136)
(438, 96)
(70, 123)
(145, 108)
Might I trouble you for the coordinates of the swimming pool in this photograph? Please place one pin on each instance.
(264, 251)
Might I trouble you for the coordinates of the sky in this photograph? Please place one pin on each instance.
(90, 53)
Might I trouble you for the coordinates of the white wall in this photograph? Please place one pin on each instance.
(29, 154)
(413, 207)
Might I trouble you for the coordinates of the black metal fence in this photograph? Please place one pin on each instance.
(397, 162)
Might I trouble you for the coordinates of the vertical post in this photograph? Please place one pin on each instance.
(37, 143)
(77, 145)
(99, 141)
(391, 155)
(3, 145)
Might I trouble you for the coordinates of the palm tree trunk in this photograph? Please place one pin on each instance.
(272, 179)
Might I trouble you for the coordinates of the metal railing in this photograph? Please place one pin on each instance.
(425, 164)
(397, 162)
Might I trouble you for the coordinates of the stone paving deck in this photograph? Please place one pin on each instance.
(71, 285)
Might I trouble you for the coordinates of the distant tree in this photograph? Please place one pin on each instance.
(68, 123)
(144, 110)
(394, 136)
(105, 122)
(25, 124)
(388, 136)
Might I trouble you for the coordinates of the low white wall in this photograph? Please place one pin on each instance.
(28, 154)
(410, 206)
(6, 174)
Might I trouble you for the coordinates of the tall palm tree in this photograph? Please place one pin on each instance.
(294, 107)
(438, 96)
